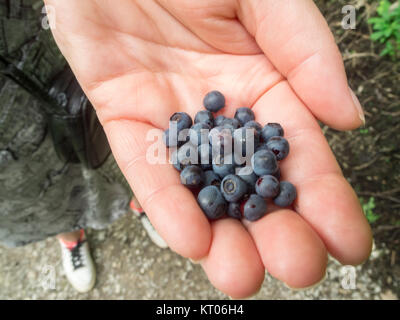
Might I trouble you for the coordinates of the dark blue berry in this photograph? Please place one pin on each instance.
(286, 195)
(170, 140)
(279, 146)
(264, 163)
(233, 188)
(219, 120)
(234, 210)
(212, 202)
(199, 133)
(231, 123)
(255, 125)
(174, 160)
(277, 174)
(220, 140)
(205, 156)
(223, 166)
(192, 176)
(254, 208)
(204, 116)
(271, 130)
(245, 140)
(267, 186)
(188, 155)
(244, 115)
(183, 120)
(261, 146)
(214, 101)
(247, 174)
(211, 179)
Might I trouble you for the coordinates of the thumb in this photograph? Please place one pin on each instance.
(296, 38)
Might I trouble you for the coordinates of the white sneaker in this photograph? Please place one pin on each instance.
(152, 233)
(78, 265)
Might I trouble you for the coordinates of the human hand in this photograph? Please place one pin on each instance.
(141, 61)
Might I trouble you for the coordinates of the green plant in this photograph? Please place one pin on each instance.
(386, 26)
(368, 208)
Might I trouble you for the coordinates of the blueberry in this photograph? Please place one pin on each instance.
(174, 160)
(218, 120)
(231, 123)
(183, 120)
(192, 176)
(247, 174)
(279, 146)
(264, 163)
(223, 166)
(244, 115)
(233, 188)
(188, 155)
(220, 140)
(199, 133)
(254, 208)
(214, 101)
(277, 174)
(204, 116)
(245, 140)
(286, 195)
(255, 125)
(267, 186)
(271, 130)
(211, 179)
(262, 146)
(234, 210)
(205, 156)
(169, 139)
(212, 202)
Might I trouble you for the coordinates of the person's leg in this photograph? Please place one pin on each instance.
(153, 234)
(77, 261)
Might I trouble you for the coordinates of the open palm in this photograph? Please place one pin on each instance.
(141, 61)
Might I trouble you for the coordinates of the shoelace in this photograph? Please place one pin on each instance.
(76, 257)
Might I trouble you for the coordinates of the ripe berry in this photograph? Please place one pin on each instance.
(233, 188)
(205, 156)
(188, 155)
(255, 125)
(211, 179)
(279, 146)
(234, 210)
(223, 166)
(264, 163)
(245, 140)
(214, 101)
(183, 120)
(271, 130)
(169, 139)
(174, 160)
(286, 195)
(244, 115)
(267, 186)
(231, 123)
(218, 120)
(254, 208)
(199, 133)
(247, 174)
(204, 116)
(192, 176)
(220, 140)
(212, 202)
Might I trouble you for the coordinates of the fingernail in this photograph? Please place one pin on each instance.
(309, 287)
(358, 106)
(194, 261)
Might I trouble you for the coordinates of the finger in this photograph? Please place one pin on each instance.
(296, 38)
(290, 250)
(170, 206)
(325, 199)
(233, 264)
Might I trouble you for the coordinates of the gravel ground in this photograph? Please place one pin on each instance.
(130, 266)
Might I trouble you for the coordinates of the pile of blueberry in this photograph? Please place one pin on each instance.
(231, 164)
